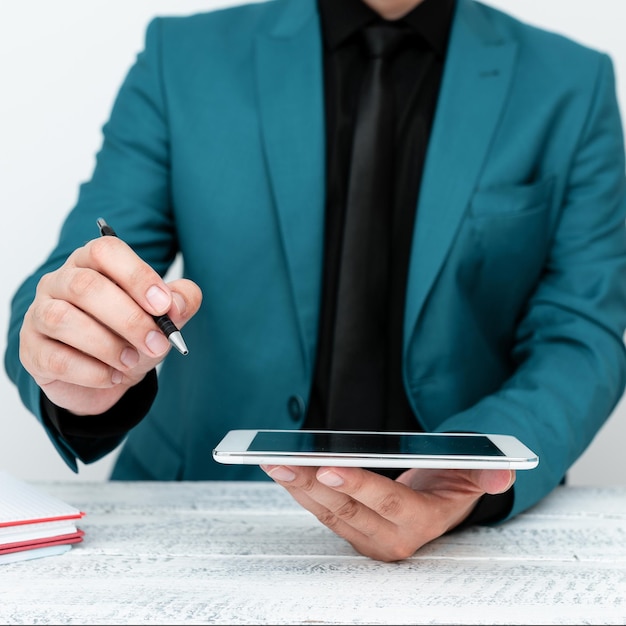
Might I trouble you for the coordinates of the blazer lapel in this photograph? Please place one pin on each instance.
(475, 83)
(290, 92)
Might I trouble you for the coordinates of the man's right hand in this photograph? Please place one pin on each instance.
(89, 333)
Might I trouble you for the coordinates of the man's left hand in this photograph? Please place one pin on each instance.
(387, 519)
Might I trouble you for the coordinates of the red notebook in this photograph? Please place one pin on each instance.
(42, 543)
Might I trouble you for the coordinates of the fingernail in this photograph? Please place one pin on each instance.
(117, 377)
(511, 480)
(281, 473)
(180, 303)
(129, 357)
(330, 479)
(157, 342)
(158, 299)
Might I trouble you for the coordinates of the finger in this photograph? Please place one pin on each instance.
(367, 530)
(493, 481)
(299, 482)
(96, 295)
(186, 301)
(115, 259)
(83, 400)
(374, 491)
(341, 513)
(62, 322)
(54, 361)
(385, 520)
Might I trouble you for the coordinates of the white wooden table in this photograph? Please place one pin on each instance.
(245, 553)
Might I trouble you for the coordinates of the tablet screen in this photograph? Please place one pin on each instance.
(373, 443)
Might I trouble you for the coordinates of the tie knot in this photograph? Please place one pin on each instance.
(384, 40)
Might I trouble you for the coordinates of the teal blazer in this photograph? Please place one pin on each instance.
(516, 295)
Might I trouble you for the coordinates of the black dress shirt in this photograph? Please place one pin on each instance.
(417, 70)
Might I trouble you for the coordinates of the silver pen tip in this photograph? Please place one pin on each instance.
(176, 339)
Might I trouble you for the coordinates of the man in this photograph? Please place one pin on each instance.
(231, 142)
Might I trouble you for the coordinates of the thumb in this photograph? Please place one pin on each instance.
(493, 481)
(186, 300)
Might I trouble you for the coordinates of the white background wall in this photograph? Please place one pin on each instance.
(61, 63)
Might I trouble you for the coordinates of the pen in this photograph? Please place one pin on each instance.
(163, 321)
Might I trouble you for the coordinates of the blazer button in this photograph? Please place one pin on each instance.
(296, 407)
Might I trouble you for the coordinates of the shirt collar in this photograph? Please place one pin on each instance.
(430, 19)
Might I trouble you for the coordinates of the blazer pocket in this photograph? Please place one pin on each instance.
(508, 200)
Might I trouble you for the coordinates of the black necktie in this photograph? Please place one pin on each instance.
(358, 370)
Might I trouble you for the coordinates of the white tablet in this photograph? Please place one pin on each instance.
(374, 449)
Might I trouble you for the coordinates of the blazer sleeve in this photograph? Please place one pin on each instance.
(570, 365)
(130, 186)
